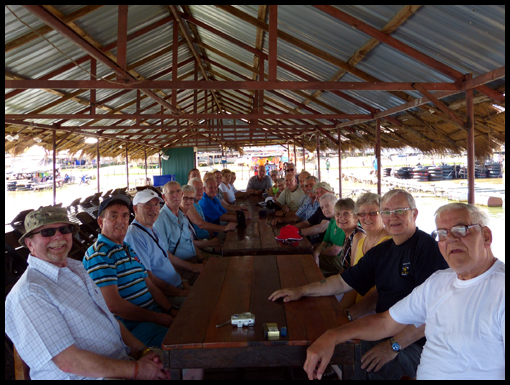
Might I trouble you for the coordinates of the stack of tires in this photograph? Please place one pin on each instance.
(448, 171)
(421, 174)
(387, 171)
(403, 173)
(435, 173)
(480, 172)
(494, 170)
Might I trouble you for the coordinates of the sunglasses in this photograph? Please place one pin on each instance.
(67, 229)
(370, 213)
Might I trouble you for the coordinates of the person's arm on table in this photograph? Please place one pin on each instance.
(316, 229)
(160, 298)
(125, 309)
(166, 288)
(88, 364)
(370, 328)
(196, 219)
(180, 263)
(329, 286)
(382, 353)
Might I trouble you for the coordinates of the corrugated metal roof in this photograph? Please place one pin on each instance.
(467, 38)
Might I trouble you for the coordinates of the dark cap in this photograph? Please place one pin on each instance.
(122, 199)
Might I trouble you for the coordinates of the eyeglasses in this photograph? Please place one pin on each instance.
(67, 229)
(370, 213)
(188, 199)
(460, 231)
(396, 212)
(289, 169)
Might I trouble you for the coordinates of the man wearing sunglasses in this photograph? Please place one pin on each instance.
(463, 307)
(57, 318)
(395, 267)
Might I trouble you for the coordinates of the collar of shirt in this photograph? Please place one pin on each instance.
(50, 270)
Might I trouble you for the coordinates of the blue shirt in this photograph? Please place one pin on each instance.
(110, 264)
(201, 234)
(212, 209)
(308, 208)
(176, 232)
(52, 308)
(154, 258)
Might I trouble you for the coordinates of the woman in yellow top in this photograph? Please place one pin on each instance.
(367, 210)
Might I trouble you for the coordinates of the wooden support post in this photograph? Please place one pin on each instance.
(145, 152)
(304, 162)
(295, 157)
(378, 154)
(470, 126)
(273, 38)
(175, 50)
(318, 154)
(54, 167)
(122, 39)
(339, 164)
(127, 167)
(98, 164)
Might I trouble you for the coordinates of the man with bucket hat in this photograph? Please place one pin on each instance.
(57, 318)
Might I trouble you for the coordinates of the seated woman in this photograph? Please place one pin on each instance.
(237, 193)
(193, 212)
(331, 252)
(367, 210)
(226, 188)
(273, 190)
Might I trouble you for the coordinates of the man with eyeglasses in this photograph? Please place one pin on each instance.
(463, 307)
(57, 318)
(395, 267)
(151, 248)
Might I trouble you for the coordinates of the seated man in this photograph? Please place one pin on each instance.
(151, 248)
(213, 210)
(291, 198)
(307, 209)
(57, 318)
(463, 307)
(316, 225)
(395, 267)
(259, 183)
(174, 227)
(115, 267)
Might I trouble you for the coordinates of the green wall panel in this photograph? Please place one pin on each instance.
(180, 161)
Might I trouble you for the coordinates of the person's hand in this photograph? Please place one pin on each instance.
(318, 356)
(285, 209)
(316, 255)
(287, 294)
(378, 356)
(243, 208)
(197, 267)
(186, 285)
(230, 226)
(247, 214)
(163, 319)
(150, 367)
(278, 214)
(275, 221)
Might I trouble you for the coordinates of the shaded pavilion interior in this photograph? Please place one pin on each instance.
(145, 78)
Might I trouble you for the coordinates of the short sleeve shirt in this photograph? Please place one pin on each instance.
(111, 264)
(292, 199)
(51, 308)
(334, 234)
(212, 209)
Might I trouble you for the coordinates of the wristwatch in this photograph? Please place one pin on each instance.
(395, 346)
(349, 317)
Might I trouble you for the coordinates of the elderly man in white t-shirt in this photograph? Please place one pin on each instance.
(463, 307)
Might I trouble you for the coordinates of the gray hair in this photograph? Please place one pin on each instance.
(476, 214)
(329, 197)
(367, 199)
(167, 185)
(313, 177)
(273, 172)
(344, 204)
(192, 181)
(280, 180)
(187, 187)
(390, 194)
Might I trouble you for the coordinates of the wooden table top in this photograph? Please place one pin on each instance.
(236, 285)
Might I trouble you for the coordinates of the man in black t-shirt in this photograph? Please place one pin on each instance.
(395, 267)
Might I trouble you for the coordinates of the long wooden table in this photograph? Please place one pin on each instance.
(258, 237)
(235, 285)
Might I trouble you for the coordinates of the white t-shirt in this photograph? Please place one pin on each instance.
(465, 324)
(229, 190)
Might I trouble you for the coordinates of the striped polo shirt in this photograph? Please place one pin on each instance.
(111, 264)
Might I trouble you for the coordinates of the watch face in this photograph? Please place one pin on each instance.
(395, 346)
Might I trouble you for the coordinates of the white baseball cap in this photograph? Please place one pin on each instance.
(146, 195)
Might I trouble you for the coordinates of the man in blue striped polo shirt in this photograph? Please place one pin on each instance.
(115, 267)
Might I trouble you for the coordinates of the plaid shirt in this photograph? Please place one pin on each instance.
(51, 308)
(307, 208)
